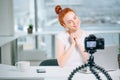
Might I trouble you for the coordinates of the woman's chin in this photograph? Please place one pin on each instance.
(77, 27)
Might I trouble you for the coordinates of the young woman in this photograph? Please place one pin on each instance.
(70, 43)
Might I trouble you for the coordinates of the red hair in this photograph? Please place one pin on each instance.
(61, 13)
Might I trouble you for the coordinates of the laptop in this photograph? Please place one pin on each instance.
(107, 58)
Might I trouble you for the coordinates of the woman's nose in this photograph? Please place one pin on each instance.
(74, 22)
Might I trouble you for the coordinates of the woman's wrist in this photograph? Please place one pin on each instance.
(81, 48)
(79, 45)
(72, 44)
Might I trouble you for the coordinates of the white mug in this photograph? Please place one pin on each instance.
(23, 66)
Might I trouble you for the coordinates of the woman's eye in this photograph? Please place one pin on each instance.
(69, 22)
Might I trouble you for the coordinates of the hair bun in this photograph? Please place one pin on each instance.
(58, 9)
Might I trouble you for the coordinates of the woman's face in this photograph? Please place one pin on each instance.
(71, 21)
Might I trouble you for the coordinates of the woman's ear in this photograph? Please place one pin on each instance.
(64, 25)
(66, 28)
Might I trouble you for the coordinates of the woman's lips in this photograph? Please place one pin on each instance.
(76, 26)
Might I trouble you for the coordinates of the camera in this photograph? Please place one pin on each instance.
(92, 43)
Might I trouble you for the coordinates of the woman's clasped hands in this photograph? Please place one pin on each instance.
(74, 37)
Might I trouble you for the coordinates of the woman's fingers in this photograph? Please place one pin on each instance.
(72, 39)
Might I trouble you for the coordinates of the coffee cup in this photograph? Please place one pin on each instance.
(23, 66)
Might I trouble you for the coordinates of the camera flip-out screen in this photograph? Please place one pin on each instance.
(91, 44)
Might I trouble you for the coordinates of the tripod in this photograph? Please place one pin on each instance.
(91, 64)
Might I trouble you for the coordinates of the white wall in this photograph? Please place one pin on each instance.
(6, 17)
(6, 28)
(6, 54)
(34, 56)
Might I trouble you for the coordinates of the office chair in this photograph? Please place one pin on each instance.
(49, 62)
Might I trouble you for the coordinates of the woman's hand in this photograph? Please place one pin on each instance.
(72, 38)
(75, 38)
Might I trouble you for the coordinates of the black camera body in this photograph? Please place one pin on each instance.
(92, 43)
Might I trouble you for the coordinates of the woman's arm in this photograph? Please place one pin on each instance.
(82, 51)
(62, 54)
(80, 46)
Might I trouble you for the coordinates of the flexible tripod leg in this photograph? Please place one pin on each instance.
(91, 65)
(95, 73)
(75, 70)
(103, 71)
(82, 67)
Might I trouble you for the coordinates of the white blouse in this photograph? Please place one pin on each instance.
(75, 58)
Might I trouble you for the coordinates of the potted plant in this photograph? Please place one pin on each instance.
(30, 28)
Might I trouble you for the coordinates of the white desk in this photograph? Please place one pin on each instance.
(52, 73)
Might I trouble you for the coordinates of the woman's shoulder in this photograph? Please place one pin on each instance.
(62, 34)
(86, 33)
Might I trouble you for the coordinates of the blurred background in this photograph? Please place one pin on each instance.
(95, 15)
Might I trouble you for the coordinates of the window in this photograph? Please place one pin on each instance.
(97, 15)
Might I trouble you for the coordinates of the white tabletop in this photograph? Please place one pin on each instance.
(52, 73)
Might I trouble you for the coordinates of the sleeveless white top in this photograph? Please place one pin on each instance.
(75, 58)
